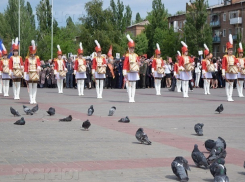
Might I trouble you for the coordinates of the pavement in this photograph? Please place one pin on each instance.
(48, 150)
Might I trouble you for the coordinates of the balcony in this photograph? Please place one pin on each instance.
(234, 37)
(237, 20)
(216, 39)
(215, 24)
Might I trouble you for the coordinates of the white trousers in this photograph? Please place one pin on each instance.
(16, 90)
(60, 85)
(5, 88)
(1, 86)
(158, 86)
(32, 92)
(229, 91)
(80, 87)
(178, 85)
(206, 86)
(240, 88)
(185, 87)
(131, 91)
(99, 88)
(198, 75)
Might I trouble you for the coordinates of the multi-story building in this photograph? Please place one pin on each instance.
(137, 28)
(224, 19)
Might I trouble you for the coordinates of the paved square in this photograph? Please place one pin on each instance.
(47, 150)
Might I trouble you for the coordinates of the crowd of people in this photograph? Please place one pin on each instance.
(131, 71)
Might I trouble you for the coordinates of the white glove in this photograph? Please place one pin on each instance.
(152, 70)
(124, 72)
(93, 71)
(24, 75)
(0, 73)
(75, 72)
(223, 72)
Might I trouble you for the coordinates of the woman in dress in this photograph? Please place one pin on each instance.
(131, 69)
(80, 70)
(60, 70)
(158, 69)
(4, 66)
(99, 70)
(198, 68)
(16, 67)
(31, 72)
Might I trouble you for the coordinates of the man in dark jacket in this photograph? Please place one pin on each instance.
(142, 71)
(69, 74)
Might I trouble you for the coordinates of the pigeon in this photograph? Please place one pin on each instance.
(14, 112)
(216, 153)
(220, 174)
(199, 158)
(90, 110)
(142, 137)
(112, 111)
(198, 129)
(86, 124)
(27, 110)
(180, 167)
(69, 118)
(220, 108)
(209, 144)
(35, 109)
(20, 122)
(51, 111)
(124, 120)
(213, 166)
(220, 142)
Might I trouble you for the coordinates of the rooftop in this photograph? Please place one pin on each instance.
(143, 23)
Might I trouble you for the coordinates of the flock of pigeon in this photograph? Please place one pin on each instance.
(215, 161)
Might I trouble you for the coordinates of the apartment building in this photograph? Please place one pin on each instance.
(224, 19)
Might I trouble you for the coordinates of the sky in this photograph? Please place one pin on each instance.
(75, 8)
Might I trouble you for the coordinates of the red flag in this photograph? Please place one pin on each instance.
(109, 54)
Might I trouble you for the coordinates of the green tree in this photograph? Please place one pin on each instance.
(197, 30)
(141, 44)
(138, 18)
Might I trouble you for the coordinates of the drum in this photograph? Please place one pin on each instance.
(6, 69)
(242, 71)
(160, 70)
(33, 76)
(134, 67)
(211, 68)
(189, 67)
(17, 73)
(101, 69)
(62, 73)
(81, 68)
(233, 69)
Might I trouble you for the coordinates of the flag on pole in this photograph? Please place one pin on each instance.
(109, 54)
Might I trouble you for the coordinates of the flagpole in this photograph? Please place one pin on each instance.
(52, 29)
(19, 27)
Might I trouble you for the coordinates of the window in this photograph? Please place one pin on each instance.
(234, 14)
(224, 49)
(238, 30)
(224, 33)
(224, 17)
(217, 48)
(180, 24)
(230, 31)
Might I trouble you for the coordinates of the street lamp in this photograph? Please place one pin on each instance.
(183, 33)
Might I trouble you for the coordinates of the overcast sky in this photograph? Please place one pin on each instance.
(75, 8)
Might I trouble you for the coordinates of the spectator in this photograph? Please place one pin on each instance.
(69, 74)
(88, 74)
(219, 73)
(110, 75)
(142, 72)
(168, 69)
(214, 83)
(120, 74)
(198, 68)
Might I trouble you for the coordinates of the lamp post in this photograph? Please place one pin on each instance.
(183, 33)
(52, 29)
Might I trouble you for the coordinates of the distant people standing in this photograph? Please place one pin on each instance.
(143, 69)
(197, 72)
(69, 74)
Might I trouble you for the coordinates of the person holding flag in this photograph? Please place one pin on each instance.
(16, 67)
(4, 71)
(99, 70)
(131, 68)
(158, 69)
(229, 69)
(31, 72)
(110, 75)
(59, 70)
(80, 70)
(241, 71)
